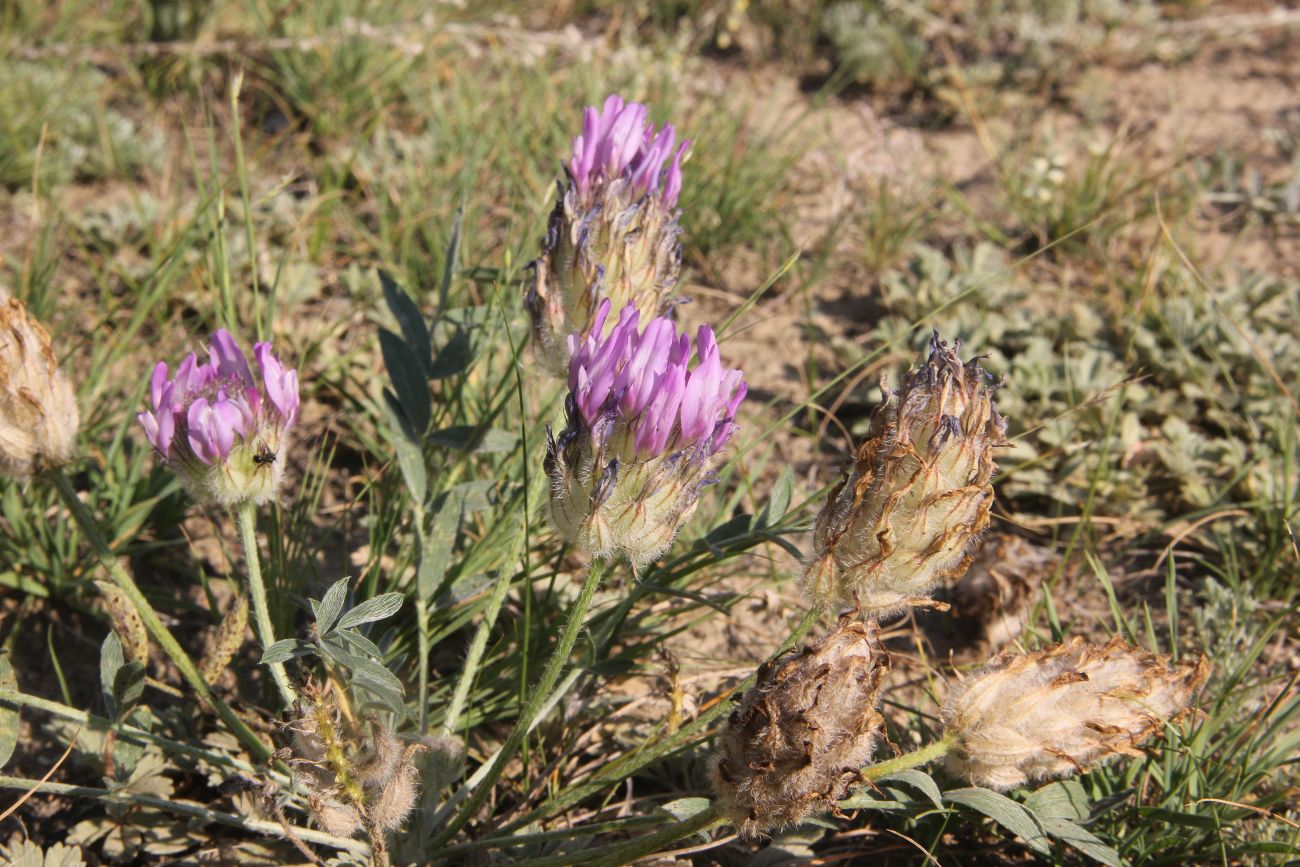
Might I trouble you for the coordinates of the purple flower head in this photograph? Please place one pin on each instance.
(205, 410)
(643, 379)
(617, 141)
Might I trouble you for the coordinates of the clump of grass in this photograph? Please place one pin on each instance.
(57, 125)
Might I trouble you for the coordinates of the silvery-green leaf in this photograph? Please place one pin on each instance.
(371, 610)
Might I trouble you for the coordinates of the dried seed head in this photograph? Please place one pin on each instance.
(801, 734)
(1063, 709)
(126, 621)
(917, 494)
(613, 233)
(324, 748)
(355, 781)
(225, 642)
(38, 409)
(1004, 579)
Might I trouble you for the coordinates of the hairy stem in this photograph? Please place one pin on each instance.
(914, 759)
(187, 808)
(621, 769)
(541, 691)
(628, 851)
(451, 720)
(160, 633)
(12, 698)
(246, 518)
(423, 647)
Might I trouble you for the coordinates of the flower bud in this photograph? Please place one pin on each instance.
(613, 233)
(802, 733)
(642, 431)
(917, 494)
(216, 428)
(38, 408)
(1063, 709)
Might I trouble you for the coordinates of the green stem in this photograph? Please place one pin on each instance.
(914, 759)
(639, 847)
(246, 518)
(186, 808)
(619, 854)
(12, 698)
(541, 691)
(451, 720)
(625, 767)
(514, 841)
(423, 643)
(160, 633)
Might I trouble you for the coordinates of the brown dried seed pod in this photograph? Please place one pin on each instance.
(916, 496)
(226, 641)
(1004, 579)
(1063, 709)
(800, 735)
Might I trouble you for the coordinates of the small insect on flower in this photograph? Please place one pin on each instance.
(643, 429)
(217, 428)
(613, 233)
(38, 408)
(916, 496)
(1063, 710)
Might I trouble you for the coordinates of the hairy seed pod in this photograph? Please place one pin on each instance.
(38, 408)
(1063, 709)
(613, 233)
(803, 732)
(226, 641)
(396, 799)
(916, 495)
(441, 763)
(381, 759)
(126, 621)
(336, 817)
(354, 781)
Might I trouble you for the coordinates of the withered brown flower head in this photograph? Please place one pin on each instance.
(1063, 709)
(797, 741)
(38, 408)
(915, 496)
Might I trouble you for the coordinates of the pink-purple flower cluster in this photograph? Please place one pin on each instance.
(643, 378)
(206, 410)
(618, 141)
